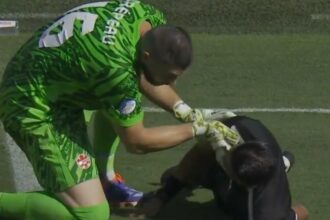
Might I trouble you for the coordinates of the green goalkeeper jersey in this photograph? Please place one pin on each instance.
(85, 59)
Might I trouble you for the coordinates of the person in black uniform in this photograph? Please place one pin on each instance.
(249, 182)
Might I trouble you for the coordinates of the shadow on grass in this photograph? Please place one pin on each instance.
(180, 208)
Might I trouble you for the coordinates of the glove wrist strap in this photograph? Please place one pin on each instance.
(180, 109)
(199, 128)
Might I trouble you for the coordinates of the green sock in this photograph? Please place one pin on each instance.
(42, 205)
(32, 206)
(96, 212)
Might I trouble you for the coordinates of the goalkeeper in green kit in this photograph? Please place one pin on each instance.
(100, 57)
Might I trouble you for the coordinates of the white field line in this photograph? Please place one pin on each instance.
(270, 110)
(28, 15)
(320, 16)
(52, 15)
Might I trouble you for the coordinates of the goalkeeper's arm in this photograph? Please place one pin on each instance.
(167, 98)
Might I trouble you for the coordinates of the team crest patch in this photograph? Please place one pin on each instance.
(127, 106)
(83, 161)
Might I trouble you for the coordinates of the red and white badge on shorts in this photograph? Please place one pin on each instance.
(83, 161)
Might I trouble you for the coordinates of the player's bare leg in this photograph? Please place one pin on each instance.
(86, 200)
(85, 194)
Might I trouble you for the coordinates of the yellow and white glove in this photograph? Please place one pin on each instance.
(218, 134)
(222, 138)
(185, 113)
(217, 115)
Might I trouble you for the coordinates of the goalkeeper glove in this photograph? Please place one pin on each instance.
(185, 113)
(215, 133)
(218, 134)
(209, 114)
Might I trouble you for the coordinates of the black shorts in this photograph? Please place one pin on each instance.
(271, 201)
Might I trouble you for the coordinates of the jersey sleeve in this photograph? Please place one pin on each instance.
(154, 16)
(122, 102)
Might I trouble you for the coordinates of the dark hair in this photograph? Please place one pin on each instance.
(171, 45)
(253, 163)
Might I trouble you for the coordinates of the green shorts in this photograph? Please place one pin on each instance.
(57, 146)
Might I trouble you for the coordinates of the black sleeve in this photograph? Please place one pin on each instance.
(271, 201)
(252, 130)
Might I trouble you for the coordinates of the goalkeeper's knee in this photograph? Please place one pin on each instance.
(96, 212)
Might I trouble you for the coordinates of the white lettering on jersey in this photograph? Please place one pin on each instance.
(49, 39)
(112, 24)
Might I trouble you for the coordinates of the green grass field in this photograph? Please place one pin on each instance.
(244, 71)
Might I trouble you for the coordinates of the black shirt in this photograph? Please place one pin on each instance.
(271, 201)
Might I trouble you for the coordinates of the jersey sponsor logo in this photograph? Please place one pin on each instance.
(83, 161)
(127, 106)
(112, 25)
